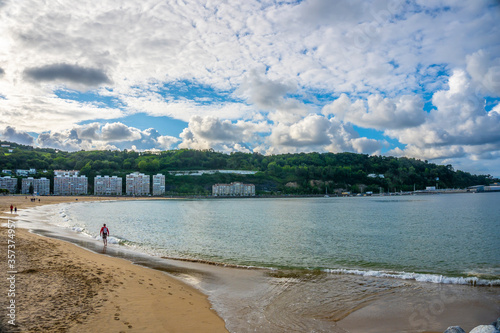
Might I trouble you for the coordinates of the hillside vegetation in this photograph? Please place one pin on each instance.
(302, 173)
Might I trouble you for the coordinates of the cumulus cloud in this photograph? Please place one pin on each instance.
(310, 132)
(57, 140)
(210, 132)
(271, 95)
(485, 71)
(75, 74)
(108, 136)
(379, 113)
(263, 92)
(11, 134)
(317, 133)
(119, 132)
(458, 127)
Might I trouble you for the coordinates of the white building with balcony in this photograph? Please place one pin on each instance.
(138, 184)
(108, 185)
(38, 186)
(8, 183)
(70, 185)
(233, 190)
(159, 184)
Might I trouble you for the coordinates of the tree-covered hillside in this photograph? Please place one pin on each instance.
(303, 173)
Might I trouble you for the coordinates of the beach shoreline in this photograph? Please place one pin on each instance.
(404, 306)
(60, 287)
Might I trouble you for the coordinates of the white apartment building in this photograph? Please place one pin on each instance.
(70, 185)
(66, 173)
(159, 184)
(107, 185)
(138, 184)
(40, 186)
(233, 189)
(8, 183)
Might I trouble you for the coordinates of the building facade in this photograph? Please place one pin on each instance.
(138, 184)
(233, 189)
(108, 185)
(159, 184)
(8, 183)
(40, 186)
(66, 173)
(70, 185)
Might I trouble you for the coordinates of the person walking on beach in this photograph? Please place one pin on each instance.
(11, 208)
(104, 234)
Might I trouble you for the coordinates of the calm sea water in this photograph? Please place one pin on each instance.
(422, 237)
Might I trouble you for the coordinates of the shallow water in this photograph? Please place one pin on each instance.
(305, 287)
(450, 235)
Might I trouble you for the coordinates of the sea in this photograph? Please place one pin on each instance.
(323, 264)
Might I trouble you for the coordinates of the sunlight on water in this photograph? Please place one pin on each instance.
(453, 235)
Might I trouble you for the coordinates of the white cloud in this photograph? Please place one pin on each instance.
(312, 131)
(108, 136)
(485, 71)
(35, 111)
(317, 133)
(379, 113)
(11, 134)
(458, 127)
(119, 132)
(210, 132)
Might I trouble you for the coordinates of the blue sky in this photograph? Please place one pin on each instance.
(415, 78)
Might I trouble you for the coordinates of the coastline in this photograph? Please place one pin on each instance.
(257, 300)
(60, 287)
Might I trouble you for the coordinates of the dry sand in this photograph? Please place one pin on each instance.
(63, 288)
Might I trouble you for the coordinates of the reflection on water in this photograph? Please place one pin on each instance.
(452, 235)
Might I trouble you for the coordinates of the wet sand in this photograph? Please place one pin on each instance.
(61, 287)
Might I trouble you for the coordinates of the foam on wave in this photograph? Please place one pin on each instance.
(420, 277)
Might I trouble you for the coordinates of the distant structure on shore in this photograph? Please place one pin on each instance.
(159, 184)
(211, 172)
(495, 187)
(8, 183)
(108, 185)
(67, 182)
(233, 190)
(138, 184)
(35, 186)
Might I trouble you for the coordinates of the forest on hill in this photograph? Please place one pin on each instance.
(300, 173)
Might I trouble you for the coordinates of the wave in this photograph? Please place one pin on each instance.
(214, 263)
(420, 277)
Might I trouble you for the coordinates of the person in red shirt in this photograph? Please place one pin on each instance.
(104, 234)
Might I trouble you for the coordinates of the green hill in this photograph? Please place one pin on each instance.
(302, 173)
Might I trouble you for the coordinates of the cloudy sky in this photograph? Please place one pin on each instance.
(417, 78)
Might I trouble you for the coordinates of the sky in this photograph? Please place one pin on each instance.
(416, 78)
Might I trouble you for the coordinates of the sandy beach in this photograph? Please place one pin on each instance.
(60, 287)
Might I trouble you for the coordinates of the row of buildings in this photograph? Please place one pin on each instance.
(69, 182)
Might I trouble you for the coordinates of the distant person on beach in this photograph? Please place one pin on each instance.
(11, 208)
(15, 210)
(104, 234)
